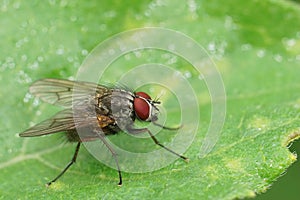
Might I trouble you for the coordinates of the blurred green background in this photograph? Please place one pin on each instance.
(255, 44)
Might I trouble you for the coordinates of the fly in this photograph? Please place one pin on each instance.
(98, 110)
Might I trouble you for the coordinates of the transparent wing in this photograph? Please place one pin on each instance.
(67, 93)
(62, 121)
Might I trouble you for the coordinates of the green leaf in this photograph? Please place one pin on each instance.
(255, 45)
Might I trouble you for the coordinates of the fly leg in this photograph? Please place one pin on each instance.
(114, 156)
(166, 127)
(142, 130)
(68, 165)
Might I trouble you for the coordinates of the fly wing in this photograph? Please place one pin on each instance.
(63, 121)
(67, 93)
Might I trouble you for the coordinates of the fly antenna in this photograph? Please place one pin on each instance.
(159, 96)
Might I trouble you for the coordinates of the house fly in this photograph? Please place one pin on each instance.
(98, 110)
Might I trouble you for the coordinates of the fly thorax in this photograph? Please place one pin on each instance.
(122, 108)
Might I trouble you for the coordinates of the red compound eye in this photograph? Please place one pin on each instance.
(141, 106)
